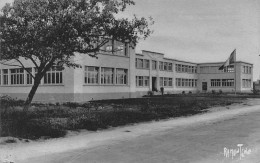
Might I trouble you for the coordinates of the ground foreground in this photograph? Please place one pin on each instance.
(200, 138)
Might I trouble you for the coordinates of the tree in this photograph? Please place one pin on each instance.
(49, 32)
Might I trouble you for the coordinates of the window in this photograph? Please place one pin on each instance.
(17, 76)
(169, 66)
(121, 76)
(246, 83)
(180, 82)
(5, 76)
(28, 76)
(115, 47)
(142, 81)
(139, 63)
(161, 66)
(170, 82)
(215, 82)
(165, 66)
(227, 82)
(107, 75)
(229, 69)
(91, 75)
(161, 81)
(146, 80)
(166, 82)
(109, 48)
(247, 69)
(154, 65)
(178, 68)
(146, 64)
(185, 68)
(142, 63)
(53, 76)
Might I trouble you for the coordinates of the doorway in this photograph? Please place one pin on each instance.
(154, 84)
(204, 86)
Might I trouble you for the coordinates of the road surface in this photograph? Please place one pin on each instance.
(203, 142)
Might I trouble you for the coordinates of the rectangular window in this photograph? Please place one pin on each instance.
(146, 80)
(115, 47)
(165, 81)
(140, 63)
(120, 48)
(146, 64)
(53, 76)
(121, 76)
(169, 66)
(215, 82)
(178, 82)
(17, 76)
(161, 66)
(28, 76)
(107, 75)
(142, 81)
(170, 82)
(5, 76)
(91, 75)
(154, 65)
(165, 66)
(161, 81)
(185, 82)
(246, 83)
(227, 82)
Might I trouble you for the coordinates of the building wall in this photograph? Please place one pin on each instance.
(74, 88)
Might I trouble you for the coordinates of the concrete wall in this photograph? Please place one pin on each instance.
(74, 88)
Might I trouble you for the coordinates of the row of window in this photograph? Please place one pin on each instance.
(165, 82)
(185, 68)
(106, 75)
(222, 82)
(142, 81)
(247, 70)
(165, 66)
(19, 76)
(215, 69)
(246, 83)
(115, 48)
(142, 63)
(181, 82)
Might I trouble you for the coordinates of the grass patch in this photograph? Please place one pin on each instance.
(54, 120)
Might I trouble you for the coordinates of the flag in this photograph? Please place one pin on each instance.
(230, 60)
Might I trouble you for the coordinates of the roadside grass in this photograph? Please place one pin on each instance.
(54, 120)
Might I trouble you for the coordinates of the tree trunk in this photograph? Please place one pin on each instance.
(37, 81)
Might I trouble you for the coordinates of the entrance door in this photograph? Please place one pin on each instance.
(204, 86)
(154, 84)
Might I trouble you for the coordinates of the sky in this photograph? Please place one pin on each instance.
(201, 30)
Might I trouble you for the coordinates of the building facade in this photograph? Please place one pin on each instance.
(124, 74)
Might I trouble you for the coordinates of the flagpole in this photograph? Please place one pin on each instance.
(235, 67)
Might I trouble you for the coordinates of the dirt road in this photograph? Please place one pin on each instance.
(211, 137)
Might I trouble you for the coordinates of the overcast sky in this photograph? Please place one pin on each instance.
(201, 30)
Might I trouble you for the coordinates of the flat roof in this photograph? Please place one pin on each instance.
(152, 52)
(188, 61)
(223, 62)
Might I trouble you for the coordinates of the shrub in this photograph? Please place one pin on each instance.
(71, 104)
(150, 93)
(220, 91)
(213, 92)
(190, 92)
(183, 92)
(256, 92)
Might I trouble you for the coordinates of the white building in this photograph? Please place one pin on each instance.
(125, 74)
